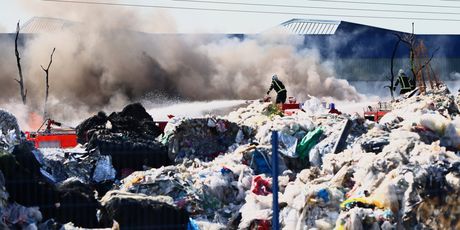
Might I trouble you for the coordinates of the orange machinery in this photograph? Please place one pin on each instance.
(375, 113)
(289, 107)
(50, 137)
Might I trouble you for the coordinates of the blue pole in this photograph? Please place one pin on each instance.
(275, 217)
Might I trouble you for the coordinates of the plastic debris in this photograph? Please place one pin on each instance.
(308, 142)
(203, 138)
(336, 171)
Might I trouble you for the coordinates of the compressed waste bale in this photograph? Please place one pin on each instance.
(165, 181)
(133, 120)
(133, 153)
(14, 215)
(89, 167)
(25, 186)
(138, 211)
(129, 138)
(77, 204)
(8, 122)
(85, 129)
(203, 138)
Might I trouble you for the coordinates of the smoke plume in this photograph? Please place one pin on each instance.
(107, 60)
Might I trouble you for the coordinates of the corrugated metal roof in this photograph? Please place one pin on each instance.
(305, 26)
(44, 25)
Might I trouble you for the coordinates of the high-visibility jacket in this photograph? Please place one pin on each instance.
(277, 85)
(404, 81)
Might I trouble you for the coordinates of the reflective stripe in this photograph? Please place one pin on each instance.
(279, 87)
(281, 90)
(403, 83)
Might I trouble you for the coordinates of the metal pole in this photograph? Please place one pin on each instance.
(275, 217)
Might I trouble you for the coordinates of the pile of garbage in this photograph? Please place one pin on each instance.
(89, 167)
(128, 137)
(335, 170)
(202, 138)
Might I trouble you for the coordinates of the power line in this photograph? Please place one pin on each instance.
(247, 11)
(314, 7)
(386, 3)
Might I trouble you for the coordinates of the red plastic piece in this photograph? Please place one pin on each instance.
(261, 186)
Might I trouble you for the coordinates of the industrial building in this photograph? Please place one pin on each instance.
(358, 52)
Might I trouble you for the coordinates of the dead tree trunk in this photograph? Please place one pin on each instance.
(20, 81)
(392, 70)
(47, 85)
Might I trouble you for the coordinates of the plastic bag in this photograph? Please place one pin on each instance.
(260, 163)
(308, 142)
(104, 170)
(239, 137)
(314, 106)
(453, 133)
(435, 122)
(288, 145)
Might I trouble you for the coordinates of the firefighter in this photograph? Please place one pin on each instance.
(279, 88)
(406, 84)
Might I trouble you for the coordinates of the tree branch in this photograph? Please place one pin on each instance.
(47, 86)
(428, 61)
(18, 60)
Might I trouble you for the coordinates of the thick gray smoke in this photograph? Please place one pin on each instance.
(103, 61)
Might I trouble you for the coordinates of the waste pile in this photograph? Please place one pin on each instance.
(336, 171)
(89, 167)
(130, 134)
(202, 138)
(13, 215)
(137, 211)
(29, 199)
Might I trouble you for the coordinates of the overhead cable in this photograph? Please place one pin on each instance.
(315, 7)
(246, 11)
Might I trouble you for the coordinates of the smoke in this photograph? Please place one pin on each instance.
(103, 62)
(454, 76)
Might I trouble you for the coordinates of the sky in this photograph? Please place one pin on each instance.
(211, 21)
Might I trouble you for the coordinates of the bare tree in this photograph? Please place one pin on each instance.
(47, 86)
(20, 81)
(392, 78)
(414, 46)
